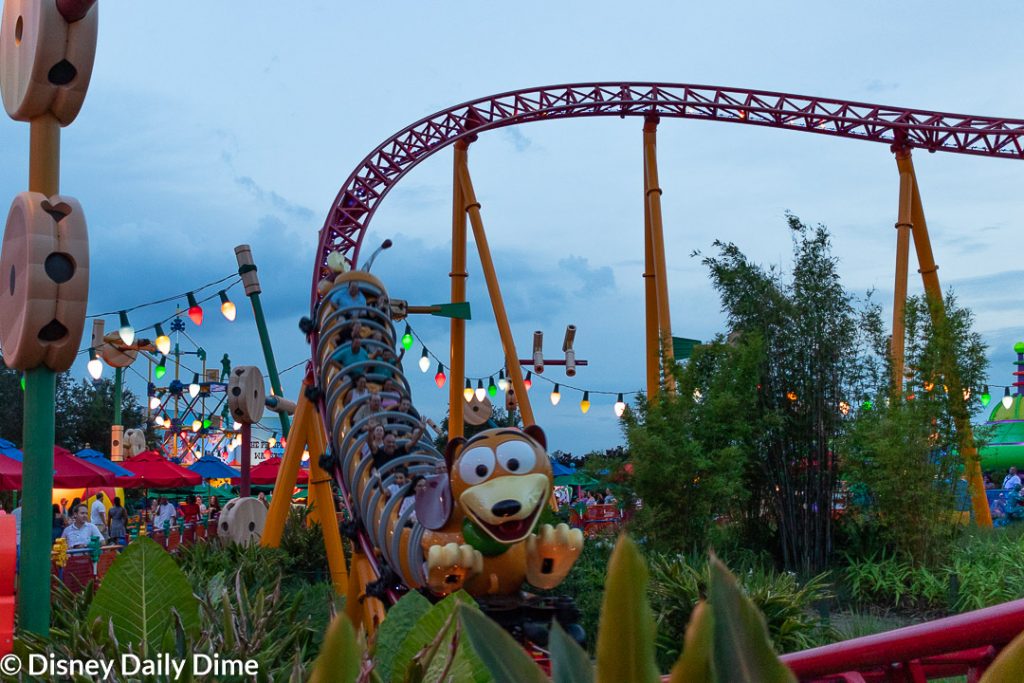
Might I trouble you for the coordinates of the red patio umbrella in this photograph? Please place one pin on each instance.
(70, 472)
(265, 473)
(10, 473)
(154, 471)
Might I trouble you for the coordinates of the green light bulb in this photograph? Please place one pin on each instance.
(407, 338)
(160, 371)
(206, 423)
(23, 382)
(492, 390)
(985, 397)
(867, 404)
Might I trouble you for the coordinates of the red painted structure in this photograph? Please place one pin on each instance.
(962, 644)
(353, 208)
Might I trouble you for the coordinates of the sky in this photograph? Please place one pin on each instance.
(209, 124)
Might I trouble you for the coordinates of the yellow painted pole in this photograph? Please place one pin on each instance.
(930, 278)
(899, 297)
(515, 373)
(458, 275)
(652, 332)
(653, 191)
(323, 500)
(288, 473)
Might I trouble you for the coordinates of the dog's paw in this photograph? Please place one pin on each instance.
(551, 553)
(449, 566)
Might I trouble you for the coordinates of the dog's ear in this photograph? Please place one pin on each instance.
(537, 434)
(452, 451)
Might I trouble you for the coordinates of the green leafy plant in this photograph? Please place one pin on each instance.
(140, 594)
(727, 639)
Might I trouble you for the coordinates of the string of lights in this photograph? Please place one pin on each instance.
(409, 337)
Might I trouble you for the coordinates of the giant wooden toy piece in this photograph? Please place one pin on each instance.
(46, 57)
(45, 267)
(47, 49)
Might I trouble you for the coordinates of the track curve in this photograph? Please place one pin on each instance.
(358, 199)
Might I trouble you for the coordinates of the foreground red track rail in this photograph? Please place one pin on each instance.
(364, 189)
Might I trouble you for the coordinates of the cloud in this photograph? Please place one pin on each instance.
(595, 280)
(274, 199)
(519, 142)
(877, 85)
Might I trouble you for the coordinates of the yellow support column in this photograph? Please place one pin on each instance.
(653, 190)
(458, 275)
(323, 501)
(515, 373)
(930, 278)
(652, 332)
(899, 297)
(287, 475)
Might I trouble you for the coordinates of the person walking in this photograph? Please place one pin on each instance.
(117, 518)
(59, 522)
(98, 513)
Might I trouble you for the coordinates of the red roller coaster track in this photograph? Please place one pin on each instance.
(364, 189)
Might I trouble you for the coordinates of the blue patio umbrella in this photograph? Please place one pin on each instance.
(211, 467)
(560, 470)
(96, 458)
(10, 450)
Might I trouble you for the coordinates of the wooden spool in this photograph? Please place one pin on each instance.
(477, 412)
(247, 397)
(242, 521)
(45, 61)
(44, 281)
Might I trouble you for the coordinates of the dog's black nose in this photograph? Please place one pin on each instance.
(506, 508)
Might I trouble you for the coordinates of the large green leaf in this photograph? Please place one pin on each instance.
(504, 657)
(625, 638)
(569, 661)
(402, 617)
(137, 595)
(431, 629)
(340, 655)
(1008, 667)
(695, 663)
(742, 651)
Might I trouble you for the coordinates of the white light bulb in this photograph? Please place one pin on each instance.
(556, 396)
(503, 384)
(236, 426)
(154, 402)
(163, 344)
(95, 367)
(1007, 401)
(620, 407)
(197, 425)
(193, 390)
(424, 363)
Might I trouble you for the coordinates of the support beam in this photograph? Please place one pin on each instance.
(652, 333)
(458, 275)
(930, 278)
(251, 281)
(515, 372)
(38, 424)
(899, 298)
(653, 191)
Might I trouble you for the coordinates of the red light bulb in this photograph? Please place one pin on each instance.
(195, 311)
(440, 377)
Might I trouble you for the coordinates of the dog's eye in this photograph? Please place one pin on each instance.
(476, 464)
(516, 456)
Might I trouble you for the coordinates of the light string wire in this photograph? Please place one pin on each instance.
(533, 376)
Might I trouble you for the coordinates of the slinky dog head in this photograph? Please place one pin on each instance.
(502, 480)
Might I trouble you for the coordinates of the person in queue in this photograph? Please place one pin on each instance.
(81, 531)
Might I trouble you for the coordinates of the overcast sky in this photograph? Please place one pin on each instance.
(209, 124)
